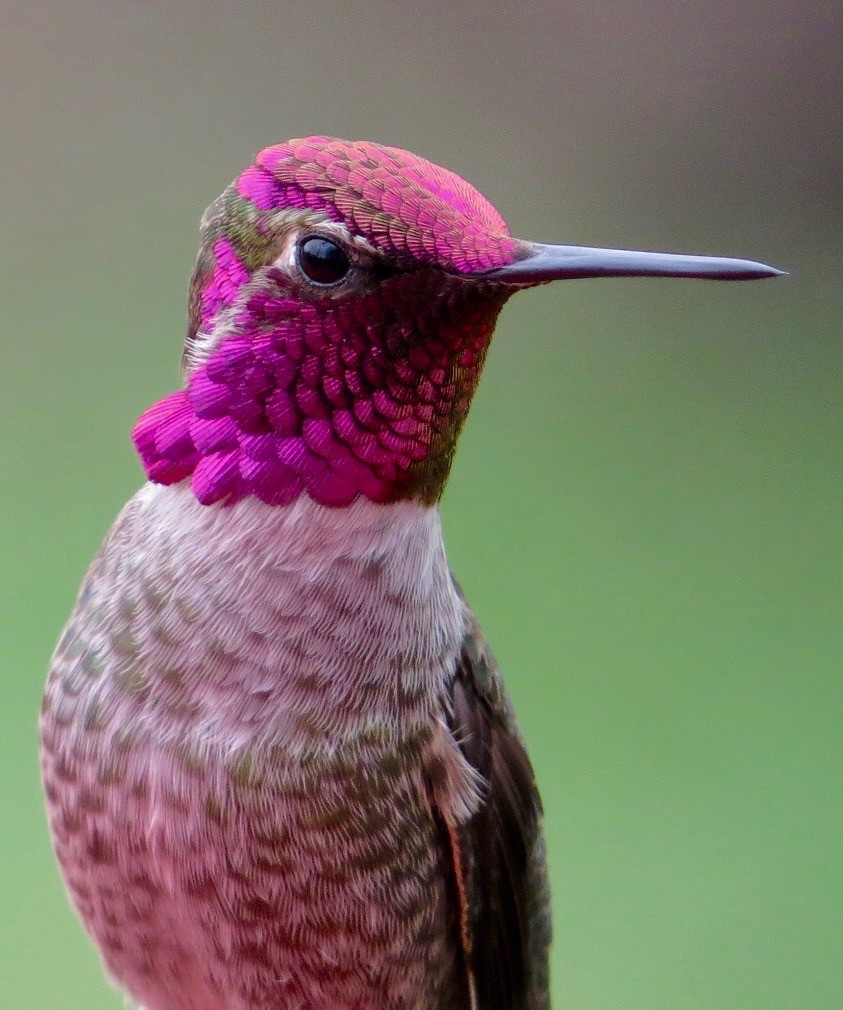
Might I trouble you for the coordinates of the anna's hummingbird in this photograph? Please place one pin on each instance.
(281, 766)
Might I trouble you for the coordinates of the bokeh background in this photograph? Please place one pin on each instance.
(645, 509)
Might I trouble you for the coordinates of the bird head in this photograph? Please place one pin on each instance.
(343, 300)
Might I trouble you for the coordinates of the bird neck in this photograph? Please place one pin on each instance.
(299, 624)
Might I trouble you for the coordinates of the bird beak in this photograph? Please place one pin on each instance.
(544, 263)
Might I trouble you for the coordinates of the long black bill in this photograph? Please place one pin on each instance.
(561, 262)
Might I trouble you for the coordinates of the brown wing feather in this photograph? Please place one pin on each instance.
(500, 851)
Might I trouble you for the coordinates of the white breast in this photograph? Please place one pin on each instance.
(277, 624)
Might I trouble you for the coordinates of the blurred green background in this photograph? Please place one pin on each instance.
(645, 509)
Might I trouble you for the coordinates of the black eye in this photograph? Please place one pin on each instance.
(323, 261)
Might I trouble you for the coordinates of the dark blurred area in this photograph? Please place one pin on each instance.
(645, 508)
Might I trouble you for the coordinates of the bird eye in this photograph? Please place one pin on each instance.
(323, 261)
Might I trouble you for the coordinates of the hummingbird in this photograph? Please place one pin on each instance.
(282, 770)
